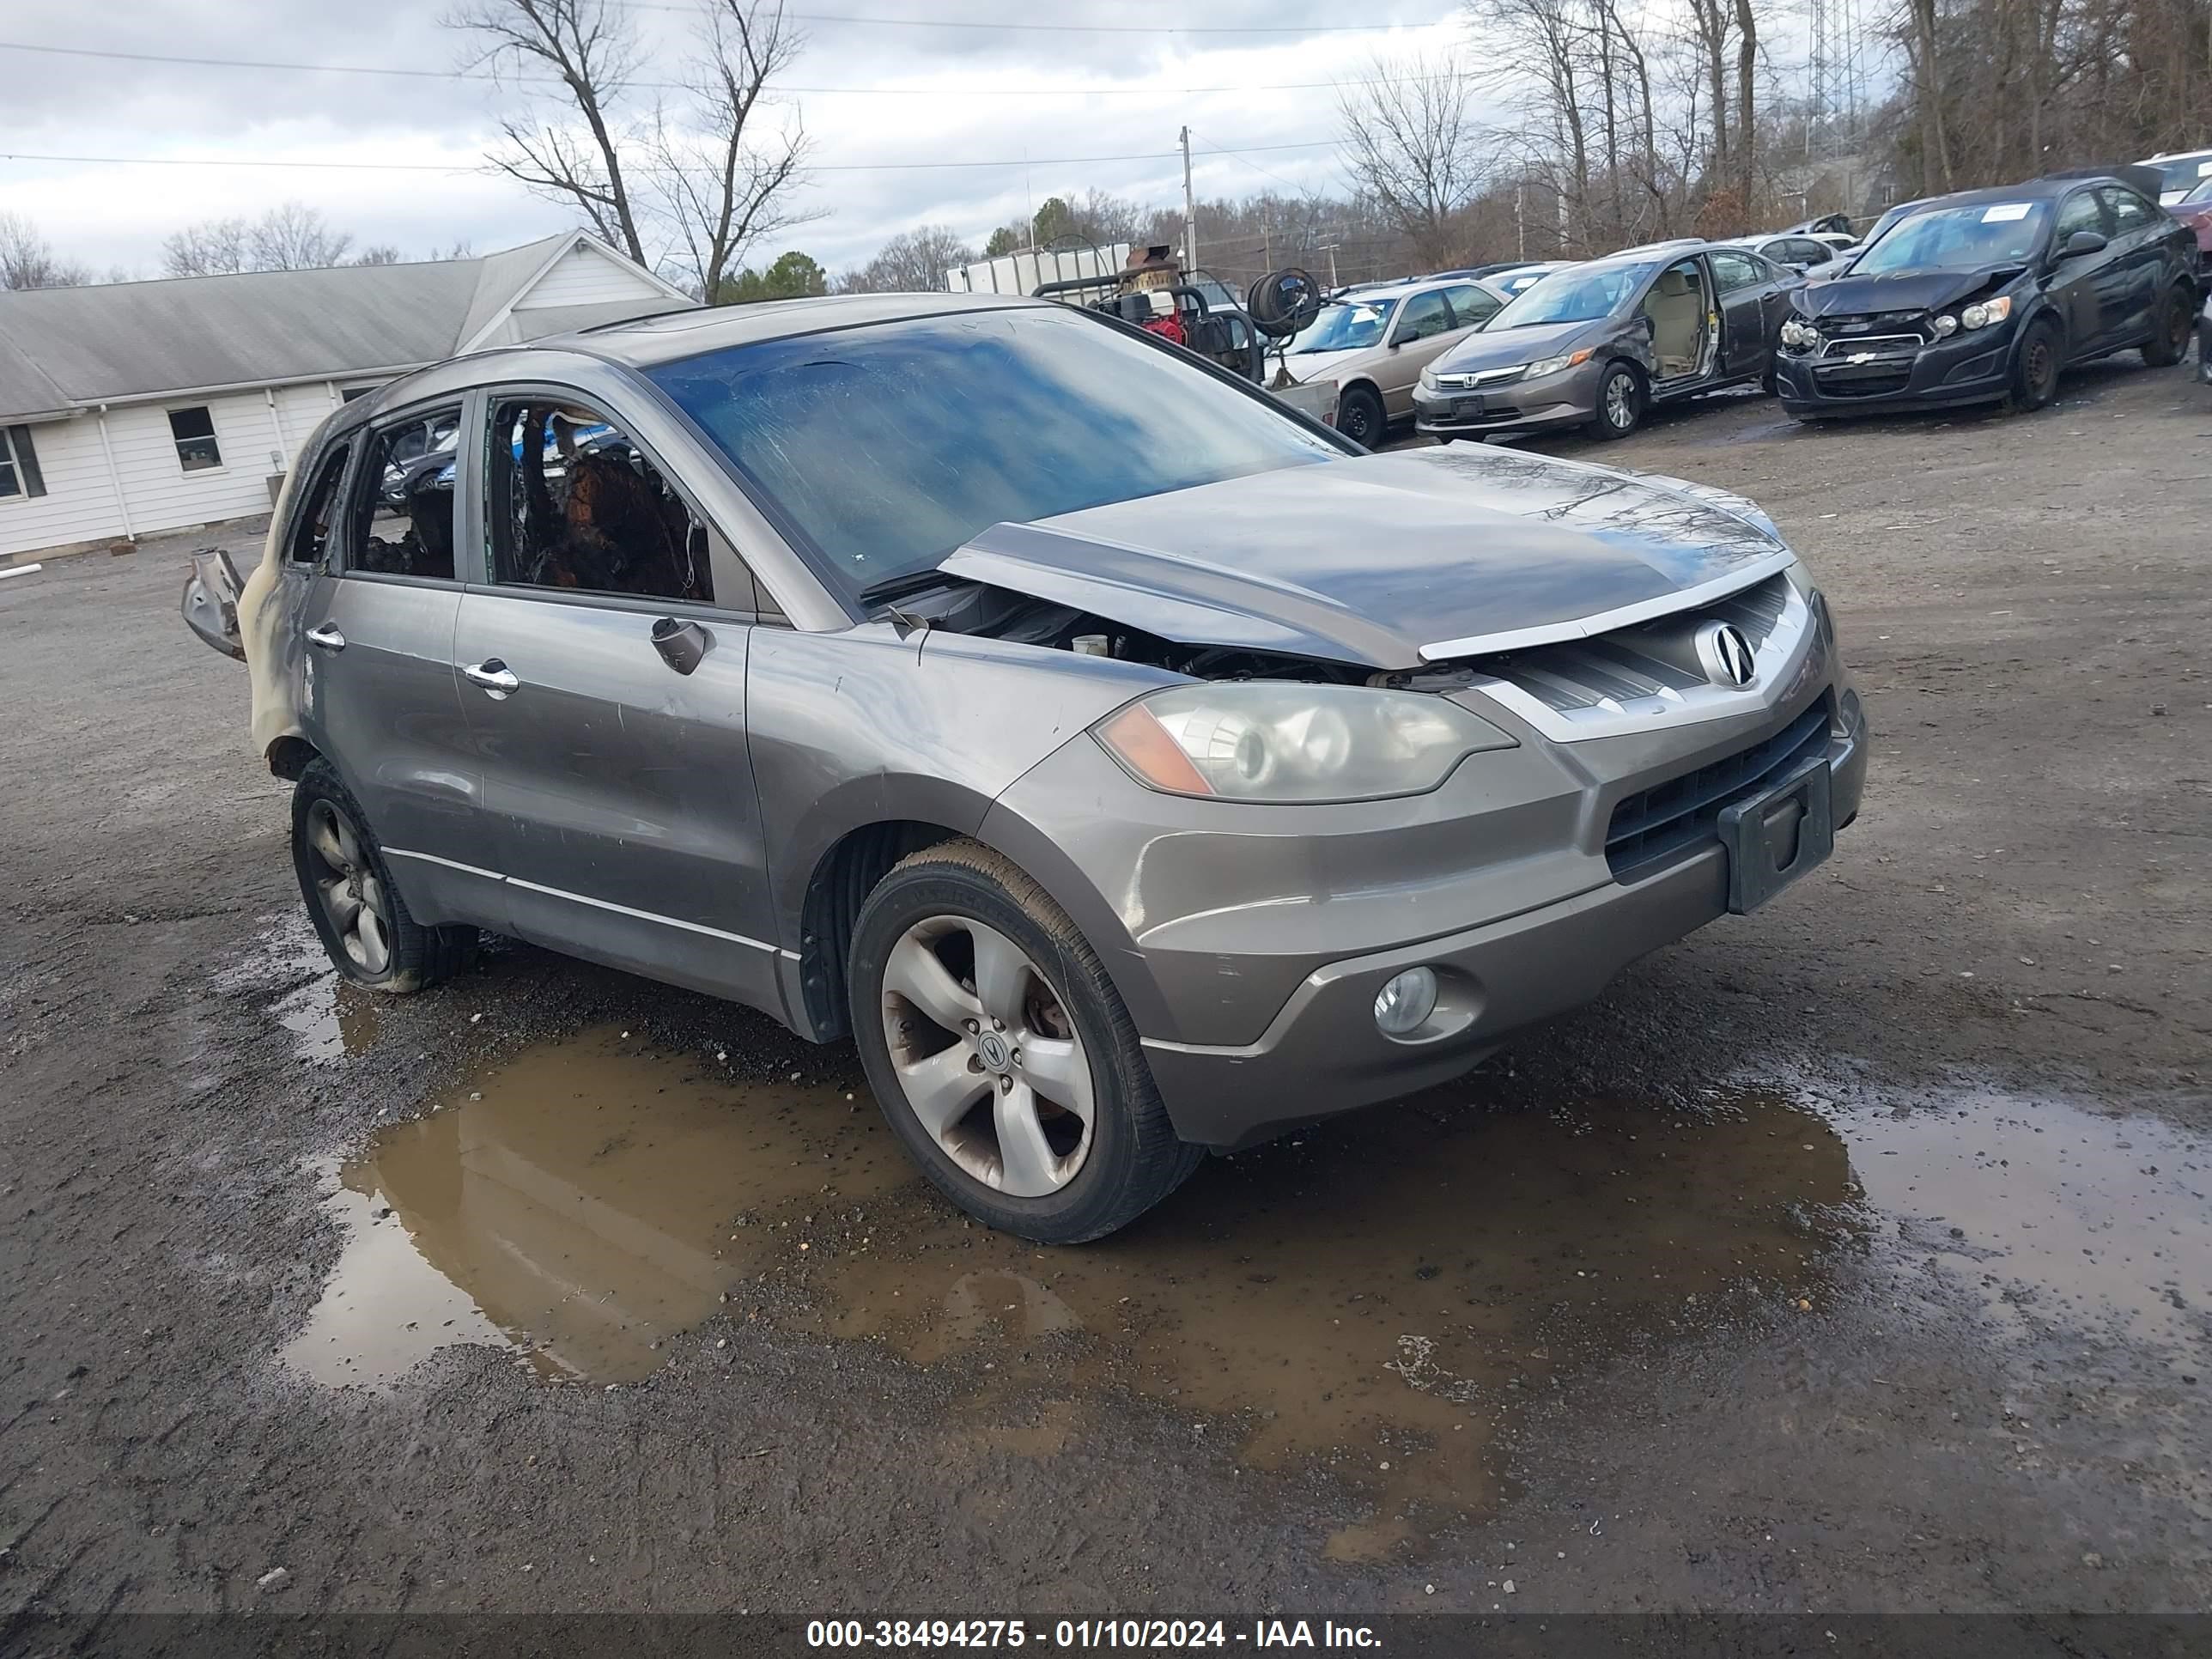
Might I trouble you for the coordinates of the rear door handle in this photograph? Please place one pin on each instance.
(495, 676)
(327, 637)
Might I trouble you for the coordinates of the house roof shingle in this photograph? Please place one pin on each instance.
(67, 347)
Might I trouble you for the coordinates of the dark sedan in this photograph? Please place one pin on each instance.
(1987, 296)
(1597, 344)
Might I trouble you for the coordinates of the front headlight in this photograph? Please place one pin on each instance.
(1429, 378)
(1800, 335)
(1987, 311)
(1283, 740)
(1545, 366)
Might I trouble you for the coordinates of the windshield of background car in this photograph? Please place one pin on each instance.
(886, 446)
(1352, 326)
(1957, 239)
(1580, 294)
(2200, 196)
(2184, 172)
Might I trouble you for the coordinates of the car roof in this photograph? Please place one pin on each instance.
(648, 341)
(2045, 189)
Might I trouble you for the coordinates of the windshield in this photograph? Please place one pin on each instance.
(1352, 325)
(2183, 171)
(1957, 239)
(1580, 294)
(888, 446)
(2199, 196)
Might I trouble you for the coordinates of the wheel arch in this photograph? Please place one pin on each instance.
(291, 755)
(852, 862)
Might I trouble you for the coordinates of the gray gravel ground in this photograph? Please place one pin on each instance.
(1850, 1256)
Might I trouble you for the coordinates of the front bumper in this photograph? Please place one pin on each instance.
(1322, 1054)
(1566, 399)
(1969, 368)
(1248, 942)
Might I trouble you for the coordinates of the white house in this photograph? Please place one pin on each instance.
(139, 407)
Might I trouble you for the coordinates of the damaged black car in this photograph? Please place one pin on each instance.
(1986, 295)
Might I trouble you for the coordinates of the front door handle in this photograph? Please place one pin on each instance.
(327, 637)
(495, 676)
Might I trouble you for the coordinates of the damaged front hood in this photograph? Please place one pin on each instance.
(1898, 290)
(1382, 560)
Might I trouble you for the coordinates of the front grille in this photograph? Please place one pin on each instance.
(1658, 826)
(1865, 380)
(1631, 663)
(1843, 348)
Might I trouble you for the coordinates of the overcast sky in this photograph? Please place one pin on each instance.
(924, 94)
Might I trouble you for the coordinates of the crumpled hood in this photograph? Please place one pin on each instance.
(1308, 366)
(1498, 346)
(1898, 290)
(1368, 559)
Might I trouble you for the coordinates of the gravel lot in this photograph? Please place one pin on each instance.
(1852, 1256)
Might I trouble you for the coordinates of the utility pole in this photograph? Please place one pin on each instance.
(1190, 210)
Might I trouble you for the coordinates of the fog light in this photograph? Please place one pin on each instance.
(1403, 1005)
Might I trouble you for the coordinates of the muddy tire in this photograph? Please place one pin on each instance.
(1619, 403)
(352, 900)
(2035, 367)
(2176, 319)
(1360, 416)
(987, 1028)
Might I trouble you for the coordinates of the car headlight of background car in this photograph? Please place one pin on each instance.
(1545, 366)
(1984, 313)
(1799, 336)
(1285, 740)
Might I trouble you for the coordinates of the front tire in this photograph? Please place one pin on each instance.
(1360, 416)
(357, 912)
(2176, 319)
(1000, 1052)
(2035, 367)
(1619, 403)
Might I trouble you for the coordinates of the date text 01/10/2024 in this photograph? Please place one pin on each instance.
(1128, 1634)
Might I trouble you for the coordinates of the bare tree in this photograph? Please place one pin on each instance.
(292, 236)
(27, 260)
(690, 185)
(213, 248)
(1411, 139)
(382, 253)
(912, 262)
(591, 50)
(717, 191)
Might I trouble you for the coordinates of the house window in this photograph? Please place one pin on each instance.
(194, 431)
(19, 465)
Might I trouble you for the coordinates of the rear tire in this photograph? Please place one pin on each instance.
(1360, 416)
(1619, 403)
(364, 925)
(956, 935)
(2175, 321)
(2035, 367)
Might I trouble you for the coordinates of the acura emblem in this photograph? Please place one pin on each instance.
(1725, 654)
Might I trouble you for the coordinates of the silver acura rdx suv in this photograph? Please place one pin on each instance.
(1128, 766)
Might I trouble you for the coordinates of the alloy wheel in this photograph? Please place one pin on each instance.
(989, 1062)
(1620, 401)
(347, 888)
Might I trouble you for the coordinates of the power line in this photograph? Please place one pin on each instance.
(1054, 29)
(441, 166)
(679, 86)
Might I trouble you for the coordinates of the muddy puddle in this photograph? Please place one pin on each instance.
(1380, 1294)
(328, 1018)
